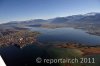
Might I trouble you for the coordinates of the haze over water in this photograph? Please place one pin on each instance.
(66, 35)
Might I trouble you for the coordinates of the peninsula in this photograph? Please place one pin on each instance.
(17, 37)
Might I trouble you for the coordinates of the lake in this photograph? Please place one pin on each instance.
(14, 56)
(65, 35)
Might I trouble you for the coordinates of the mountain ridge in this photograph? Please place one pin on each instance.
(80, 20)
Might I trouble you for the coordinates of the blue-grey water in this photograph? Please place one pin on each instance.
(66, 35)
(14, 56)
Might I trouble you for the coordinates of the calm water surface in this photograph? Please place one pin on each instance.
(14, 56)
(65, 35)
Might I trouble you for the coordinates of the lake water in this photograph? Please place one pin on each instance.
(14, 56)
(66, 35)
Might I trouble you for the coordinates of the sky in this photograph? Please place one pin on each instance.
(19, 10)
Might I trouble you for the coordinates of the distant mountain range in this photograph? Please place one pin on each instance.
(92, 17)
(89, 17)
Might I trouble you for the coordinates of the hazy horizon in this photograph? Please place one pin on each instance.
(21, 10)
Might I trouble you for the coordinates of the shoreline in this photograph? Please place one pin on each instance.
(18, 38)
